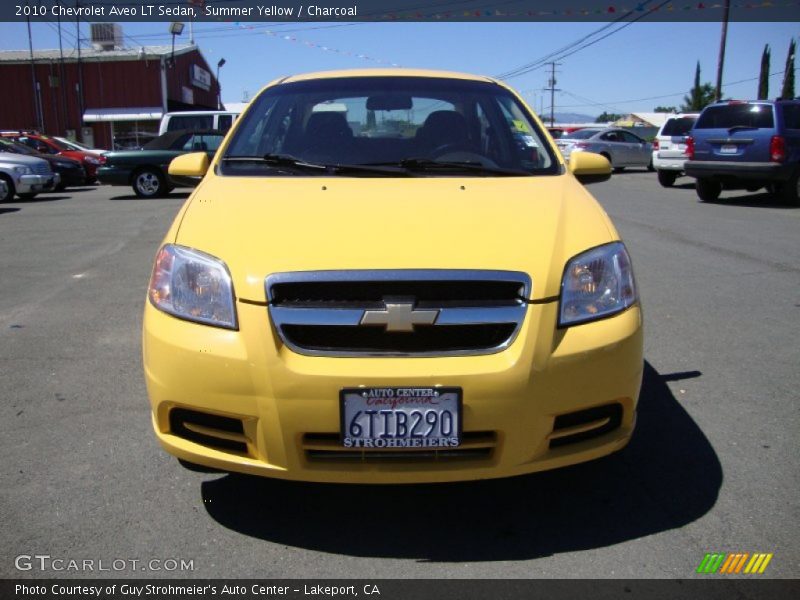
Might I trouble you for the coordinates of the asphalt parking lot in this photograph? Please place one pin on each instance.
(712, 468)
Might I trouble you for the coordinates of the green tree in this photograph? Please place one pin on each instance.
(607, 116)
(787, 92)
(664, 109)
(699, 96)
(763, 77)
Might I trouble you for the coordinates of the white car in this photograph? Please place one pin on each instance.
(25, 176)
(669, 147)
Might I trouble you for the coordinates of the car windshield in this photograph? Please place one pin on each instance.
(15, 148)
(581, 134)
(393, 125)
(726, 116)
(678, 126)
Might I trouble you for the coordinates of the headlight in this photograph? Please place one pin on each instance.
(596, 284)
(92, 160)
(194, 286)
(22, 170)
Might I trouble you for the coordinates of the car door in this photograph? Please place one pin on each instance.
(637, 150)
(615, 147)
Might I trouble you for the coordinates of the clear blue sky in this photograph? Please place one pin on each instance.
(620, 73)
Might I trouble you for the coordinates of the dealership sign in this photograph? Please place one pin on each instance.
(200, 77)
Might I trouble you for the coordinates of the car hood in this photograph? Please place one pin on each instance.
(260, 226)
(20, 159)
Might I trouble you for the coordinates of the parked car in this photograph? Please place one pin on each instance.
(48, 145)
(145, 170)
(78, 146)
(621, 147)
(746, 144)
(669, 147)
(25, 176)
(70, 172)
(197, 120)
(432, 306)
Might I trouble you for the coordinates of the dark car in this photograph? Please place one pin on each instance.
(145, 170)
(746, 145)
(70, 171)
(49, 145)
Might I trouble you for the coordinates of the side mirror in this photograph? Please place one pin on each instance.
(189, 165)
(589, 167)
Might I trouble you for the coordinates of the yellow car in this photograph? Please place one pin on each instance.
(391, 276)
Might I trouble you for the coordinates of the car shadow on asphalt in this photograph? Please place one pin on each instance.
(668, 476)
(39, 198)
(182, 195)
(750, 199)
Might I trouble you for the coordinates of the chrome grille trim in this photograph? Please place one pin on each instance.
(510, 313)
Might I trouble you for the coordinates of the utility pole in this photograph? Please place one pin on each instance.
(62, 78)
(721, 60)
(79, 133)
(552, 87)
(36, 98)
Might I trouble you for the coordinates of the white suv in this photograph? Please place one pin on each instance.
(669, 147)
(25, 176)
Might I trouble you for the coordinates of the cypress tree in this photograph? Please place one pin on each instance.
(763, 77)
(787, 92)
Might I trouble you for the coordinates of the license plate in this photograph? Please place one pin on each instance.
(728, 149)
(401, 417)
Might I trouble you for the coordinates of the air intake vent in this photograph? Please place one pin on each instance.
(222, 433)
(575, 427)
(106, 36)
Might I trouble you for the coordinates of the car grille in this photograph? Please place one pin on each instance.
(42, 167)
(398, 312)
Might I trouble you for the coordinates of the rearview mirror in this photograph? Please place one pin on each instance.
(189, 165)
(389, 102)
(589, 167)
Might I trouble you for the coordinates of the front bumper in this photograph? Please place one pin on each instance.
(33, 184)
(288, 403)
(731, 171)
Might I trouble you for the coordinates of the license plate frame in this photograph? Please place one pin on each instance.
(380, 431)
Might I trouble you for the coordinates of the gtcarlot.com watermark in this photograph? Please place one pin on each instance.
(58, 564)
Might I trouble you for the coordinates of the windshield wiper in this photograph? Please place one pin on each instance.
(738, 127)
(279, 160)
(285, 160)
(426, 164)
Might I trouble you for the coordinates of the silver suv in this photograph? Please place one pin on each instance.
(669, 147)
(24, 176)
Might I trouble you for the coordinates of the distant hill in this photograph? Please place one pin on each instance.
(562, 117)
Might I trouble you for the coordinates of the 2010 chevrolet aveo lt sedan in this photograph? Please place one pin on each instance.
(391, 277)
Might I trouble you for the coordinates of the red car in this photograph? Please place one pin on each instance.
(48, 145)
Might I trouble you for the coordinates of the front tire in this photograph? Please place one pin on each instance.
(667, 178)
(790, 191)
(10, 190)
(708, 190)
(149, 183)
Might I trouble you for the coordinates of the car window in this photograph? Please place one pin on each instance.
(733, 115)
(202, 143)
(224, 122)
(581, 134)
(630, 138)
(791, 116)
(678, 126)
(611, 136)
(191, 122)
(386, 120)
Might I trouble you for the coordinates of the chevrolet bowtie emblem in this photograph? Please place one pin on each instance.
(399, 315)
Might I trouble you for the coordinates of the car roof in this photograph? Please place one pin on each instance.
(385, 73)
